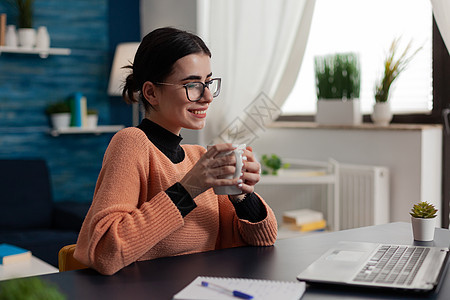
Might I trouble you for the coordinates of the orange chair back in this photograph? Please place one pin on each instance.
(66, 261)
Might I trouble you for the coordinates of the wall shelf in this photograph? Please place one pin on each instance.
(43, 53)
(80, 130)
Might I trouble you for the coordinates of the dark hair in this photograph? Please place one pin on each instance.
(155, 57)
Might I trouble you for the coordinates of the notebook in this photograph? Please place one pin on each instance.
(400, 267)
(258, 288)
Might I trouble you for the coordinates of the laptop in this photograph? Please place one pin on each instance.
(400, 267)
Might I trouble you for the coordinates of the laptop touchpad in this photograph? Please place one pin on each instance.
(345, 255)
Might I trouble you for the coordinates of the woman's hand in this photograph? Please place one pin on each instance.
(251, 174)
(210, 170)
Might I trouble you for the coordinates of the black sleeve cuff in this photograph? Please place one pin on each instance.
(251, 209)
(181, 198)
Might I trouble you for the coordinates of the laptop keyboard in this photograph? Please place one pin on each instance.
(393, 265)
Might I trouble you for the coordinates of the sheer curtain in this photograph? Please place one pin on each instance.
(441, 11)
(257, 48)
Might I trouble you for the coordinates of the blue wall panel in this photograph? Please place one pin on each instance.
(28, 83)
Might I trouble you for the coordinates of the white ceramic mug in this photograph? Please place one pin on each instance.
(232, 189)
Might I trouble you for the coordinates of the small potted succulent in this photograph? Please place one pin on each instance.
(423, 220)
(59, 113)
(272, 164)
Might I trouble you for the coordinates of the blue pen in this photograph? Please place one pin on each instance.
(222, 289)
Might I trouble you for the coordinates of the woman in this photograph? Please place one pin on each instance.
(153, 197)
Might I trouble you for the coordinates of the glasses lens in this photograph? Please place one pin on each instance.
(214, 87)
(194, 91)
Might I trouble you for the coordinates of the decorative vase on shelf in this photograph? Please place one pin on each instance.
(27, 37)
(11, 36)
(42, 38)
(382, 114)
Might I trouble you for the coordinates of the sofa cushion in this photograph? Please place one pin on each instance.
(25, 194)
(69, 215)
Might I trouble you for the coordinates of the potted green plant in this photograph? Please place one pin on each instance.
(338, 81)
(59, 113)
(92, 118)
(394, 65)
(27, 34)
(29, 288)
(272, 164)
(423, 220)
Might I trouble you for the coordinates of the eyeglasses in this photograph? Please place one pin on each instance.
(195, 90)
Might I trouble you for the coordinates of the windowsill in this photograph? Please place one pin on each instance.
(363, 126)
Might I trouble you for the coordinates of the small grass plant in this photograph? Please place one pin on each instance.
(338, 76)
(394, 65)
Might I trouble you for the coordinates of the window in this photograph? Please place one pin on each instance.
(368, 28)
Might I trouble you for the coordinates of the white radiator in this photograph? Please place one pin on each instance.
(363, 195)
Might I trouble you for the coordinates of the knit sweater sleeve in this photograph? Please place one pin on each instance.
(118, 229)
(234, 232)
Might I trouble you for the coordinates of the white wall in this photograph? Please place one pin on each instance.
(174, 13)
(412, 156)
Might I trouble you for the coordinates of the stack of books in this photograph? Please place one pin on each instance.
(304, 220)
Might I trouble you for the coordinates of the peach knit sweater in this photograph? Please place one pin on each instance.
(132, 218)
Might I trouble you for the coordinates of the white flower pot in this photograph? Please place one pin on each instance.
(423, 229)
(11, 36)
(60, 120)
(27, 37)
(42, 38)
(92, 121)
(382, 114)
(338, 112)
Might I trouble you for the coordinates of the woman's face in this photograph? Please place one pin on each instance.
(173, 110)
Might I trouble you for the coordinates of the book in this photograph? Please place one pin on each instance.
(312, 226)
(302, 216)
(10, 254)
(83, 111)
(258, 288)
(2, 29)
(76, 110)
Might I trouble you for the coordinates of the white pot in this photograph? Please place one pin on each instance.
(42, 38)
(60, 120)
(338, 112)
(11, 36)
(92, 121)
(382, 114)
(27, 37)
(423, 229)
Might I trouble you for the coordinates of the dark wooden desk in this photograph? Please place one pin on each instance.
(162, 278)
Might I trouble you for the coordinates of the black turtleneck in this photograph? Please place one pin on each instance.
(168, 143)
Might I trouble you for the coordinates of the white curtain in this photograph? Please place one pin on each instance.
(441, 11)
(257, 48)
